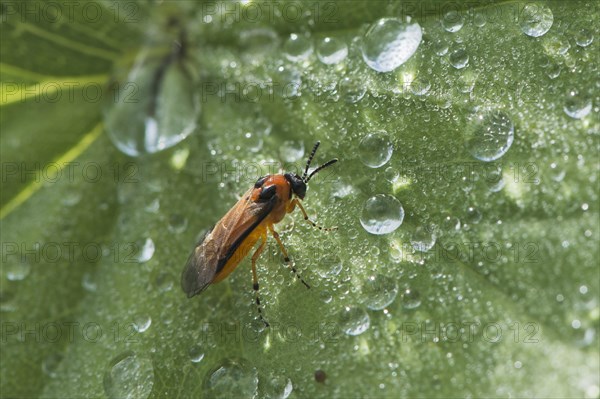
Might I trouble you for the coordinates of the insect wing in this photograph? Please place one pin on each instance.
(219, 244)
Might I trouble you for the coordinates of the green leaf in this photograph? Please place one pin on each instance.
(488, 288)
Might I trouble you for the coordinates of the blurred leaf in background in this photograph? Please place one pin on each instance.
(465, 263)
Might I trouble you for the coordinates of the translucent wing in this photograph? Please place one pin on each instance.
(219, 244)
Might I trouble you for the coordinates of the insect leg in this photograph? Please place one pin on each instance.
(286, 256)
(295, 202)
(261, 247)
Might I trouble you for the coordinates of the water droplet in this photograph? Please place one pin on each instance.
(177, 223)
(375, 149)
(354, 321)
(440, 47)
(577, 105)
(352, 90)
(129, 376)
(18, 270)
(154, 110)
(536, 19)
(450, 224)
(332, 51)
(329, 266)
(51, 363)
(391, 174)
(275, 386)
(479, 20)
(196, 354)
(297, 47)
(141, 323)
(232, 379)
(382, 214)
(411, 299)
(423, 239)
(584, 37)
(390, 42)
(291, 151)
(144, 250)
(88, 282)
(459, 58)
(71, 198)
(489, 135)
(473, 215)
(420, 86)
(379, 292)
(453, 21)
(258, 39)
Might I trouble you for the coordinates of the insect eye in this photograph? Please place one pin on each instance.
(267, 193)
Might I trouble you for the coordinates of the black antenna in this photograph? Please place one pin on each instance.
(310, 158)
(326, 164)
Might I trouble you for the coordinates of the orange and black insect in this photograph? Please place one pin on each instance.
(231, 239)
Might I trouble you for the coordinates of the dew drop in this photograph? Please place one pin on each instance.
(379, 291)
(329, 266)
(423, 239)
(354, 320)
(584, 37)
(473, 215)
(154, 110)
(382, 214)
(577, 105)
(352, 90)
(459, 58)
(129, 376)
(411, 299)
(332, 51)
(141, 323)
(390, 42)
(144, 250)
(18, 270)
(177, 223)
(51, 363)
(375, 149)
(232, 379)
(453, 21)
(297, 47)
(536, 19)
(275, 386)
(196, 354)
(489, 135)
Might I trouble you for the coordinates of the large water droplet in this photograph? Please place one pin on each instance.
(390, 42)
(352, 90)
(489, 135)
(232, 379)
(144, 250)
(411, 299)
(382, 214)
(196, 354)
(375, 149)
(354, 321)
(459, 58)
(129, 376)
(331, 50)
(155, 109)
(51, 363)
(453, 21)
(17, 270)
(177, 223)
(142, 322)
(577, 105)
(423, 239)
(379, 292)
(584, 37)
(329, 265)
(275, 386)
(536, 19)
(297, 47)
